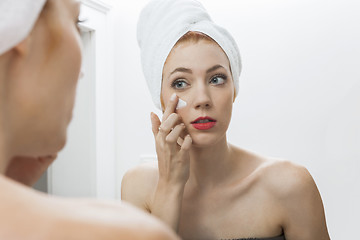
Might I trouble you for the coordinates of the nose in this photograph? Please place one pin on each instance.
(202, 97)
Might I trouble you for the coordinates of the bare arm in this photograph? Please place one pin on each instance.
(173, 170)
(304, 217)
(140, 188)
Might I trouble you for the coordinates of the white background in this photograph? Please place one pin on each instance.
(299, 92)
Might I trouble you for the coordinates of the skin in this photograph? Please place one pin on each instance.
(27, 170)
(207, 188)
(38, 79)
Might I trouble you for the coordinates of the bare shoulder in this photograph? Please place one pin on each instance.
(108, 220)
(280, 176)
(151, 227)
(142, 176)
(298, 199)
(145, 170)
(28, 214)
(139, 183)
(286, 179)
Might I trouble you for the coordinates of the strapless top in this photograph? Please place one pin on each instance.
(282, 237)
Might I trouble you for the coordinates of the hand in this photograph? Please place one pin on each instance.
(28, 170)
(173, 159)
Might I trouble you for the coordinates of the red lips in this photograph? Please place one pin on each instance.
(203, 123)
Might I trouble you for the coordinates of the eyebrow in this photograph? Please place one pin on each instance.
(214, 68)
(181, 69)
(187, 70)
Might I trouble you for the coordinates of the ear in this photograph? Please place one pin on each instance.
(23, 47)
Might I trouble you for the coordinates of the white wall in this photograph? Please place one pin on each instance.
(299, 97)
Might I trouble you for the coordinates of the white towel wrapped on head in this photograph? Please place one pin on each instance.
(17, 19)
(162, 23)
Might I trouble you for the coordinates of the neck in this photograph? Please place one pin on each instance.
(211, 165)
(4, 153)
(4, 156)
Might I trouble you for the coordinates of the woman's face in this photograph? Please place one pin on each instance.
(199, 73)
(44, 82)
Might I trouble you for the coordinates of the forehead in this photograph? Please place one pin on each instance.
(200, 55)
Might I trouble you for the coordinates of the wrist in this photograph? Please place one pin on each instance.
(167, 201)
(170, 187)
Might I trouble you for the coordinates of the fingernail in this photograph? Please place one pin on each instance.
(173, 96)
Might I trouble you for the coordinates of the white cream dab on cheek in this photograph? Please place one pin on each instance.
(181, 104)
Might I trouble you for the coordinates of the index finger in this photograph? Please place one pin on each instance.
(171, 106)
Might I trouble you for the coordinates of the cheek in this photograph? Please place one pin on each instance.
(184, 114)
(75, 51)
(67, 55)
(229, 103)
(67, 69)
(224, 97)
(71, 61)
(224, 103)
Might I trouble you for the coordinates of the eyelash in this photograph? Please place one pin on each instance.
(78, 21)
(173, 84)
(220, 76)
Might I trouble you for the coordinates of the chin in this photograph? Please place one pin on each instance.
(56, 142)
(202, 140)
(61, 142)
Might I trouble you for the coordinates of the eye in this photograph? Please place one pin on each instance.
(78, 23)
(179, 84)
(218, 80)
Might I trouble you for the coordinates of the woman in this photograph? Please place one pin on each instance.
(204, 187)
(40, 58)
